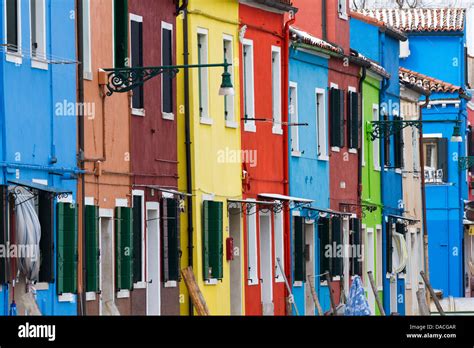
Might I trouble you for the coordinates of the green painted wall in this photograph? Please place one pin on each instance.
(371, 190)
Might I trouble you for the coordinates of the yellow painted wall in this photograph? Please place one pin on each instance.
(210, 177)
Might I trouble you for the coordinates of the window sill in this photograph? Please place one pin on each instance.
(353, 151)
(250, 128)
(323, 158)
(335, 149)
(210, 282)
(378, 169)
(231, 124)
(139, 285)
(88, 75)
(15, 58)
(167, 116)
(298, 284)
(252, 282)
(41, 286)
(336, 278)
(277, 130)
(343, 16)
(90, 296)
(40, 64)
(295, 153)
(278, 280)
(66, 298)
(398, 171)
(138, 112)
(206, 120)
(123, 294)
(171, 284)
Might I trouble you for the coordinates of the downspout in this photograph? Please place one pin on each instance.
(80, 155)
(324, 19)
(359, 153)
(285, 84)
(187, 131)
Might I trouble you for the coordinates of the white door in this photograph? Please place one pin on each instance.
(235, 264)
(266, 269)
(153, 298)
(309, 302)
(107, 267)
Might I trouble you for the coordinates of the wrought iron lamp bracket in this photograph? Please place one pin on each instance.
(384, 129)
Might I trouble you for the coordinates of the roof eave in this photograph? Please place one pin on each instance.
(277, 5)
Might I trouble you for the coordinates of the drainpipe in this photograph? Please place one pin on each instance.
(80, 155)
(286, 60)
(423, 192)
(324, 19)
(359, 153)
(187, 131)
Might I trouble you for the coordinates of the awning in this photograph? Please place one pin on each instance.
(330, 212)
(165, 189)
(398, 217)
(279, 197)
(39, 187)
(250, 201)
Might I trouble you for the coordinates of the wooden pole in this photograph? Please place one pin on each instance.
(374, 290)
(422, 305)
(315, 296)
(195, 293)
(292, 299)
(432, 293)
(331, 296)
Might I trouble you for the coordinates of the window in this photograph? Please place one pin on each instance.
(353, 120)
(203, 74)
(321, 124)
(337, 117)
(87, 43)
(123, 248)
(379, 254)
(136, 27)
(167, 106)
(121, 33)
(376, 142)
(386, 140)
(45, 216)
(342, 9)
(170, 245)
(279, 247)
(435, 152)
(92, 248)
(324, 243)
(299, 249)
(276, 90)
(252, 246)
(212, 241)
(3, 231)
(38, 29)
(66, 248)
(229, 99)
(13, 25)
(138, 238)
(416, 150)
(355, 241)
(337, 240)
(249, 103)
(398, 145)
(295, 143)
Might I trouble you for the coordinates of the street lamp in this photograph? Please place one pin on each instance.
(226, 86)
(456, 137)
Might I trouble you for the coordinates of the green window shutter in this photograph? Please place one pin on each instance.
(324, 241)
(213, 246)
(67, 248)
(443, 157)
(137, 238)
(336, 234)
(123, 248)
(353, 120)
(121, 28)
(300, 243)
(92, 248)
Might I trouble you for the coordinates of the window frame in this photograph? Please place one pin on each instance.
(142, 283)
(204, 93)
(342, 10)
(279, 246)
(137, 19)
(167, 115)
(294, 118)
(249, 106)
(14, 56)
(276, 90)
(229, 101)
(322, 132)
(252, 247)
(41, 61)
(87, 48)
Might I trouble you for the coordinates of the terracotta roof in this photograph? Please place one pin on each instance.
(420, 19)
(427, 83)
(308, 39)
(394, 32)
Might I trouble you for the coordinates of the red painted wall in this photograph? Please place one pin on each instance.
(154, 147)
(265, 29)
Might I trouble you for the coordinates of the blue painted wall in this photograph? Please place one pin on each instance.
(309, 176)
(33, 133)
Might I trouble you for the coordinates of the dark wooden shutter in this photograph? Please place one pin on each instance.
(67, 248)
(121, 33)
(167, 60)
(46, 219)
(300, 243)
(443, 157)
(336, 234)
(92, 248)
(12, 25)
(324, 241)
(386, 141)
(3, 231)
(170, 249)
(137, 60)
(353, 120)
(337, 117)
(137, 238)
(213, 248)
(123, 248)
(389, 246)
(398, 146)
(164, 240)
(356, 241)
